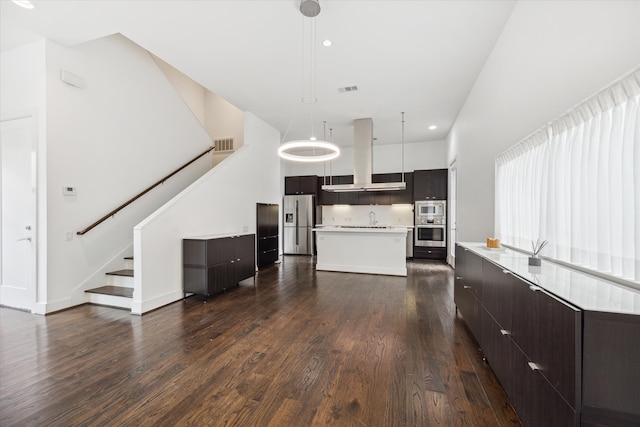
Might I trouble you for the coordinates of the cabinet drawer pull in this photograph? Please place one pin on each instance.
(467, 287)
(232, 261)
(534, 367)
(504, 332)
(534, 288)
(458, 277)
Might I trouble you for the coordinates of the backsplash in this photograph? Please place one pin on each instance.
(359, 215)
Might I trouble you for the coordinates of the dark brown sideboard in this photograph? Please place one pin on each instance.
(212, 264)
(563, 357)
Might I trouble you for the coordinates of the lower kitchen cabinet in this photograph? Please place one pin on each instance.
(422, 252)
(531, 339)
(214, 264)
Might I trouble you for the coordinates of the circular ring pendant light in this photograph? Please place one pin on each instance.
(287, 151)
(309, 150)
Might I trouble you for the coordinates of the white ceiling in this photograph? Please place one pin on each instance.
(420, 57)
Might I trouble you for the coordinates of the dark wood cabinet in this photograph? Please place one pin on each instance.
(337, 198)
(611, 375)
(427, 252)
(368, 197)
(531, 339)
(430, 184)
(307, 184)
(214, 264)
(267, 234)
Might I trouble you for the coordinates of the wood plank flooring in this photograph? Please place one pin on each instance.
(301, 348)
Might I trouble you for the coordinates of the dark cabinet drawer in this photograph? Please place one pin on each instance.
(421, 252)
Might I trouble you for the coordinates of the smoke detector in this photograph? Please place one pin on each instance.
(310, 8)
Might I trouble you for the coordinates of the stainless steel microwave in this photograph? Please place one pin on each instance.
(431, 212)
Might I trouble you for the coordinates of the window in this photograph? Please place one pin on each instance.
(576, 183)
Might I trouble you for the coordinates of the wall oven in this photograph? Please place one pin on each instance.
(431, 223)
(431, 236)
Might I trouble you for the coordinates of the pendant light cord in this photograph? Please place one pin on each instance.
(403, 147)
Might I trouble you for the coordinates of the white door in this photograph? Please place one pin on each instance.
(453, 177)
(17, 213)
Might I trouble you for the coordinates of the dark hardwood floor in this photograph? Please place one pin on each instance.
(301, 348)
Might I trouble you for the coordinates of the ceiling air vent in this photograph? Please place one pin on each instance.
(348, 89)
(224, 144)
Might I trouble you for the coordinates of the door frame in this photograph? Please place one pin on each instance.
(33, 288)
(453, 212)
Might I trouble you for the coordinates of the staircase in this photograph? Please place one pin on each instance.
(119, 290)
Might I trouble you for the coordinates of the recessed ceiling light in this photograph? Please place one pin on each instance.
(326, 43)
(24, 3)
(432, 127)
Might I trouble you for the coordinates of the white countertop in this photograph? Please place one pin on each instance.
(362, 229)
(584, 291)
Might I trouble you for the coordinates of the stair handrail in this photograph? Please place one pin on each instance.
(136, 197)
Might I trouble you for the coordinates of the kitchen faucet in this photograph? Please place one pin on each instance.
(372, 218)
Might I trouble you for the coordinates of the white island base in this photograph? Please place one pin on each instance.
(362, 250)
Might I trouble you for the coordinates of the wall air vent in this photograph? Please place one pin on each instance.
(348, 89)
(222, 145)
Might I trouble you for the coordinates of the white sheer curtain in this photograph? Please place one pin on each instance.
(576, 183)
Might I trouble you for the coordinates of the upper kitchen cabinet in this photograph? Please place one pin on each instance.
(430, 184)
(337, 198)
(395, 196)
(307, 184)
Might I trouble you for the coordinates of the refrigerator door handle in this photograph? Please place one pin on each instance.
(297, 226)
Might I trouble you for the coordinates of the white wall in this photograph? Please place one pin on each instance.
(550, 56)
(222, 201)
(23, 92)
(191, 92)
(124, 130)
(218, 117)
(386, 159)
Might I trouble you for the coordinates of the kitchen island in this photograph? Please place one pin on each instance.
(362, 249)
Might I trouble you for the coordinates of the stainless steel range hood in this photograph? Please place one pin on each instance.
(363, 163)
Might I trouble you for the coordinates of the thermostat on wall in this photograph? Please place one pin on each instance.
(69, 191)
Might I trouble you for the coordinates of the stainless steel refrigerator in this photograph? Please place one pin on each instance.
(299, 219)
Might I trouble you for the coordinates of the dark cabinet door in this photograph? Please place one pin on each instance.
(219, 251)
(430, 184)
(194, 279)
(526, 317)
(267, 234)
(438, 184)
(307, 184)
(469, 269)
(220, 277)
(497, 293)
(243, 248)
(496, 346)
(558, 353)
(469, 307)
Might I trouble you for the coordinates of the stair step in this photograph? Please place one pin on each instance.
(126, 272)
(118, 291)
